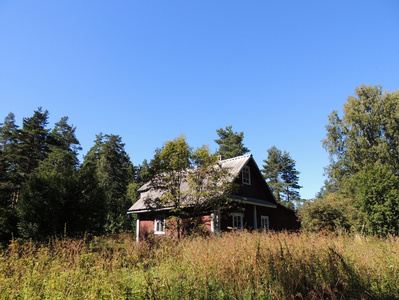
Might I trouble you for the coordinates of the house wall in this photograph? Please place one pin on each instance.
(246, 210)
(258, 189)
(146, 225)
(285, 219)
(280, 218)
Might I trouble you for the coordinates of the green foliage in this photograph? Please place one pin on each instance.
(92, 203)
(364, 156)
(64, 146)
(32, 144)
(230, 143)
(191, 184)
(49, 205)
(113, 171)
(50, 202)
(331, 213)
(367, 134)
(8, 224)
(9, 179)
(174, 155)
(281, 176)
(144, 172)
(44, 191)
(209, 185)
(377, 195)
(22, 150)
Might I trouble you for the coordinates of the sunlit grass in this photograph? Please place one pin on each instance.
(232, 266)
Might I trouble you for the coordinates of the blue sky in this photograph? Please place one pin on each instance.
(151, 70)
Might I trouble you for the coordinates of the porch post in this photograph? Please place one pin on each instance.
(212, 222)
(218, 225)
(138, 228)
(215, 221)
(255, 219)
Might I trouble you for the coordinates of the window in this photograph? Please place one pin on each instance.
(246, 175)
(238, 221)
(159, 225)
(264, 223)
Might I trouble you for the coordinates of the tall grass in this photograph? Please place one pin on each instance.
(231, 266)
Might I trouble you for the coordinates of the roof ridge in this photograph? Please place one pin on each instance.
(235, 158)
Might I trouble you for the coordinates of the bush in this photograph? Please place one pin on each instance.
(331, 213)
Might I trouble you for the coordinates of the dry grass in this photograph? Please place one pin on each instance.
(232, 266)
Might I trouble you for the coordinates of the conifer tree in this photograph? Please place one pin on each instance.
(282, 177)
(63, 141)
(32, 142)
(9, 183)
(8, 160)
(50, 199)
(113, 170)
(230, 143)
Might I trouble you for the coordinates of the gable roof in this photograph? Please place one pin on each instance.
(233, 165)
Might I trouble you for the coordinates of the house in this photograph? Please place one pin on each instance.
(256, 207)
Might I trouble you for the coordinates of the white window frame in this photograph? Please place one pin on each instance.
(264, 223)
(159, 225)
(237, 221)
(246, 175)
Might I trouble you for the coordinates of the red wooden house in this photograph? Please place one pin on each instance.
(256, 206)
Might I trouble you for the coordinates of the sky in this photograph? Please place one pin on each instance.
(152, 70)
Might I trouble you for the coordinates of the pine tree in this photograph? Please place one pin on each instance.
(8, 161)
(113, 171)
(290, 177)
(33, 143)
(282, 177)
(63, 143)
(9, 183)
(272, 171)
(50, 203)
(230, 143)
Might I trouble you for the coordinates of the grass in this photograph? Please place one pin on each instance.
(231, 266)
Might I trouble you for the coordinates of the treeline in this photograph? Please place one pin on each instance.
(361, 193)
(45, 191)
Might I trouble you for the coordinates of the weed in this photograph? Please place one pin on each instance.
(237, 265)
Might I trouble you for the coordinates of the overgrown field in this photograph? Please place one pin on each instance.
(232, 266)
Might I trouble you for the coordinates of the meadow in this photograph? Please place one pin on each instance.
(240, 265)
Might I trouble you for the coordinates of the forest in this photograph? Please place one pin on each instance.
(45, 191)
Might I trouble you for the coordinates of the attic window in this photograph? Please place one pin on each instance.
(246, 175)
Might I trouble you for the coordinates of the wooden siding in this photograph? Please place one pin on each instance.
(258, 188)
(280, 218)
(146, 225)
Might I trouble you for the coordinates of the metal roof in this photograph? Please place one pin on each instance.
(235, 164)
